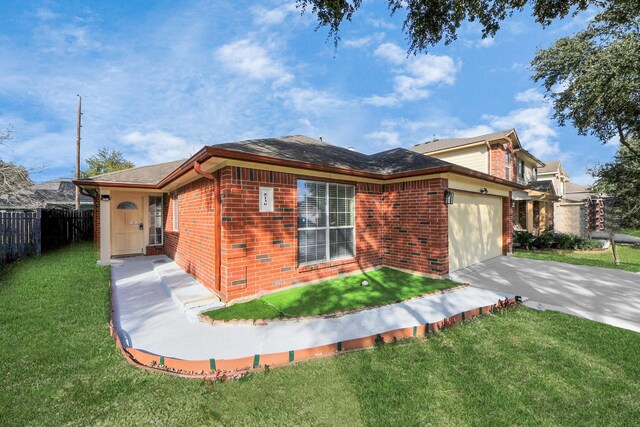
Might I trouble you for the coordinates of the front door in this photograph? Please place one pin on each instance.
(127, 226)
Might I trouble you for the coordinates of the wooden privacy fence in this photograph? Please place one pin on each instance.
(30, 233)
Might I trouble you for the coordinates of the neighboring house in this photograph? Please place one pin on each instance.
(580, 210)
(501, 154)
(250, 217)
(55, 194)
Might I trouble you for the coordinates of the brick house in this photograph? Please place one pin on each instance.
(579, 210)
(501, 154)
(250, 217)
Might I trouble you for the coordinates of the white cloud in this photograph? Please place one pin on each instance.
(486, 42)
(66, 39)
(529, 95)
(534, 127)
(413, 74)
(380, 23)
(389, 139)
(275, 16)
(382, 101)
(253, 61)
(363, 41)
(307, 100)
(45, 14)
(473, 131)
(157, 147)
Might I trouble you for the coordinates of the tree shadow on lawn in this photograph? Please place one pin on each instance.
(512, 367)
(385, 286)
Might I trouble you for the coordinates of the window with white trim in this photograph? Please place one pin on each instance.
(175, 210)
(155, 220)
(326, 219)
(507, 168)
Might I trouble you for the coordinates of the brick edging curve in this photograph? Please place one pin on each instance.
(233, 368)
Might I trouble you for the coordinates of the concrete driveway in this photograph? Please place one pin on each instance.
(601, 294)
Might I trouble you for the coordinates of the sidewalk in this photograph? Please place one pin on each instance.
(147, 318)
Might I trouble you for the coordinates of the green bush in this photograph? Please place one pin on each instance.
(549, 239)
(523, 239)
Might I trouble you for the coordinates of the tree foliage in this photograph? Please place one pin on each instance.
(16, 187)
(428, 22)
(593, 78)
(620, 180)
(106, 161)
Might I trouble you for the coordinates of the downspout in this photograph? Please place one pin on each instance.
(217, 225)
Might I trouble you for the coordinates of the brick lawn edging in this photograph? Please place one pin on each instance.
(265, 322)
(234, 368)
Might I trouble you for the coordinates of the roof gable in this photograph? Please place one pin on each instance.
(445, 144)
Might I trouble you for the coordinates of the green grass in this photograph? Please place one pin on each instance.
(635, 232)
(58, 366)
(629, 256)
(386, 286)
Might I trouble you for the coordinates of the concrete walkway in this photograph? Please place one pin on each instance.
(148, 318)
(601, 294)
(618, 238)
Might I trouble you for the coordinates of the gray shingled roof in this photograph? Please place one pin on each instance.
(304, 149)
(542, 186)
(298, 148)
(550, 167)
(152, 174)
(443, 144)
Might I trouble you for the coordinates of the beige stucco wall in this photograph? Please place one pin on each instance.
(475, 158)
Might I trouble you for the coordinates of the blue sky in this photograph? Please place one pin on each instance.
(161, 79)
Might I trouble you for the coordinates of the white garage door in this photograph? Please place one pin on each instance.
(475, 229)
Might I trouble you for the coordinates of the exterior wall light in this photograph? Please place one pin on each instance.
(448, 197)
(105, 197)
(513, 203)
(484, 190)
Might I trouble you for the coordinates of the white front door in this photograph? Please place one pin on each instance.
(127, 225)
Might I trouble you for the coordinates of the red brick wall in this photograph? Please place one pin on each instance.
(260, 248)
(416, 227)
(507, 225)
(499, 160)
(192, 246)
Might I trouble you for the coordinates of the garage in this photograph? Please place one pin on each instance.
(475, 229)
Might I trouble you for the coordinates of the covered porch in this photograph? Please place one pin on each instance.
(130, 222)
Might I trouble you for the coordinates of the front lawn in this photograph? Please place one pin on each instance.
(635, 232)
(59, 366)
(629, 256)
(386, 286)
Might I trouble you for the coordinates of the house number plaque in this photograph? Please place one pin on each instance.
(266, 199)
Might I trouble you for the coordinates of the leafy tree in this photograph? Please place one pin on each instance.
(16, 187)
(428, 22)
(619, 180)
(106, 161)
(593, 78)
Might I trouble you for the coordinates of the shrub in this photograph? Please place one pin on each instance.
(545, 240)
(523, 239)
(549, 239)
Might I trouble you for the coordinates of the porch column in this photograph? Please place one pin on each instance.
(105, 228)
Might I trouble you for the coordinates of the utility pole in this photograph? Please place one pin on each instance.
(78, 151)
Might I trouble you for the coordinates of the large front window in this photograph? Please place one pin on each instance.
(155, 220)
(326, 218)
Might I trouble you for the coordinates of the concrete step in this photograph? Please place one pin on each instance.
(189, 294)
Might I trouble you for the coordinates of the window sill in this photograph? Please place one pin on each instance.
(327, 264)
(156, 244)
